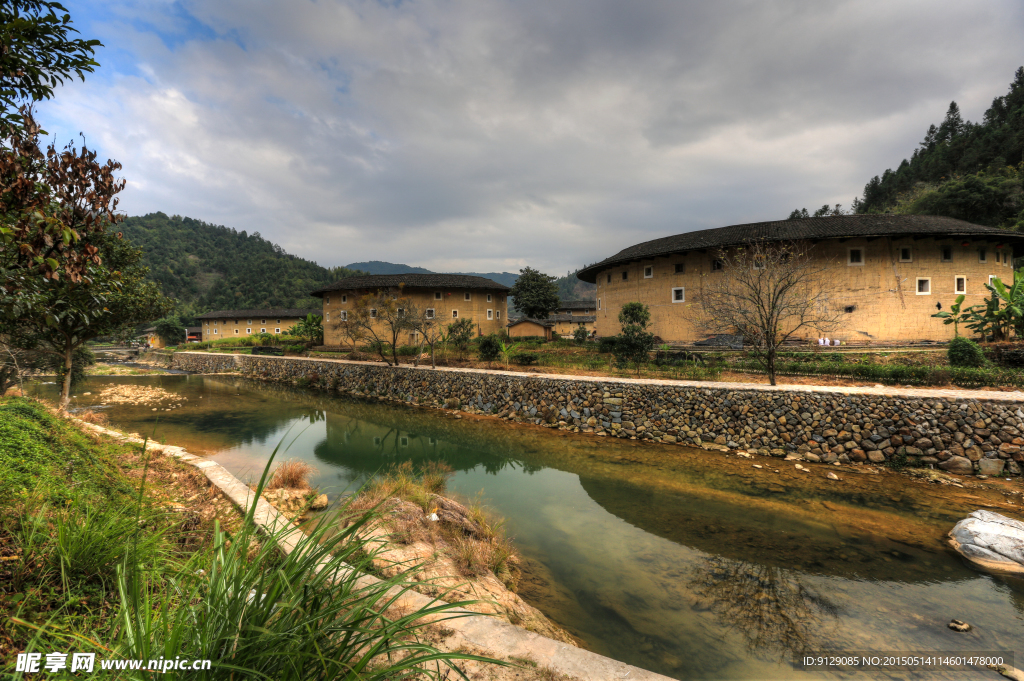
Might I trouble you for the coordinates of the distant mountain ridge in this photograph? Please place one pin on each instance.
(381, 267)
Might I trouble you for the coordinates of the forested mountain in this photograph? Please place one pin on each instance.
(571, 288)
(208, 267)
(965, 170)
(381, 267)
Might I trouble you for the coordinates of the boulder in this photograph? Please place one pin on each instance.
(991, 541)
(991, 467)
(957, 464)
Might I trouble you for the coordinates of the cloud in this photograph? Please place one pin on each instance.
(487, 135)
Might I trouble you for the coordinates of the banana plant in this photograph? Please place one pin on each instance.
(1002, 312)
(955, 315)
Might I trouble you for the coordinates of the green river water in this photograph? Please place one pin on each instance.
(689, 563)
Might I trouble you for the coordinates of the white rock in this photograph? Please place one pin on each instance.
(990, 541)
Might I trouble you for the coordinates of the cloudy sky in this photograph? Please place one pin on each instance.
(486, 135)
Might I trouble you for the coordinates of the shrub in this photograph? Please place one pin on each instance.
(963, 352)
(489, 348)
(607, 343)
(526, 358)
(579, 336)
(294, 348)
(292, 474)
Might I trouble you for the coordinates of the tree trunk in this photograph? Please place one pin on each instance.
(433, 364)
(65, 388)
(771, 367)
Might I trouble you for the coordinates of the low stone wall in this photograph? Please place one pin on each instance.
(959, 431)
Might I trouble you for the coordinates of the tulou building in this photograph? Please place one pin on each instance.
(445, 297)
(891, 273)
(228, 323)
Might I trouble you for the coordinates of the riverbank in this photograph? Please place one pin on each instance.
(962, 432)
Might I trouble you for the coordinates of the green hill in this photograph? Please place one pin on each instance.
(965, 170)
(208, 267)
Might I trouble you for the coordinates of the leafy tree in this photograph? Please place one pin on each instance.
(310, 329)
(963, 352)
(107, 298)
(579, 336)
(489, 348)
(767, 292)
(799, 213)
(634, 343)
(37, 52)
(170, 329)
(459, 334)
(534, 293)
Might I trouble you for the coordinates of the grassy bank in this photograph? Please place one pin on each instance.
(112, 550)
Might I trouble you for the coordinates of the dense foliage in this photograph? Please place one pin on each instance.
(635, 342)
(208, 267)
(965, 170)
(534, 293)
(963, 352)
(571, 288)
(489, 348)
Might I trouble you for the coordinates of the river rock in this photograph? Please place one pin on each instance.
(957, 464)
(991, 466)
(990, 541)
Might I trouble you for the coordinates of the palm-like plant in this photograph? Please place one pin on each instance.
(955, 315)
(507, 350)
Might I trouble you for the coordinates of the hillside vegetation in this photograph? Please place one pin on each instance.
(970, 171)
(209, 267)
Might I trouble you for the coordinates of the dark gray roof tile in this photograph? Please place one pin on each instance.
(433, 281)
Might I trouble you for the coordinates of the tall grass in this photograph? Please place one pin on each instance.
(292, 474)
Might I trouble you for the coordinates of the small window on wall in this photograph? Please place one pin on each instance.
(344, 315)
(609, 278)
(946, 254)
(490, 314)
(924, 286)
(498, 313)
(679, 295)
(403, 441)
(277, 330)
(236, 332)
(437, 295)
(215, 332)
(429, 313)
(717, 265)
(488, 297)
(327, 317)
(263, 330)
(249, 322)
(327, 300)
(467, 297)
(855, 257)
(248, 332)
(455, 314)
(982, 255)
(598, 303)
(278, 321)
(263, 321)
(648, 272)
(344, 299)
(906, 254)
(680, 268)
(373, 313)
(625, 276)
(960, 284)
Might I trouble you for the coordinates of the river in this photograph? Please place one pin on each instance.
(693, 564)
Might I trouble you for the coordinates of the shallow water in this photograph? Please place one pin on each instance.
(689, 563)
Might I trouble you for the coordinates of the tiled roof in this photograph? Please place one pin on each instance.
(275, 312)
(550, 321)
(578, 305)
(379, 281)
(837, 227)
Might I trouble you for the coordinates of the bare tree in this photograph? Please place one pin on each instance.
(429, 329)
(767, 292)
(379, 318)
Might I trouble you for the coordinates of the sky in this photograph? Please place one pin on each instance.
(490, 135)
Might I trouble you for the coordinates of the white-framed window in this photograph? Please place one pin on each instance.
(991, 278)
(343, 315)
(498, 313)
(717, 265)
(327, 300)
(490, 314)
(455, 314)
(401, 311)
(679, 295)
(437, 295)
(759, 262)
(429, 314)
(648, 273)
(960, 284)
(982, 255)
(277, 330)
(403, 441)
(215, 322)
(249, 322)
(467, 296)
(263, 321)
(248, 332)
(680, 268)
(278, 321)
(373, 313)
(855, 257)
(236, 332)
(263, 330)
(924, 286)
(625, 276)
(946, 254)
(327, 317)
(598, 303)
(906, 254)
(488, 297)
(215, 332)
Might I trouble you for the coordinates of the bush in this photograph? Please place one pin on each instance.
(963, 352)
(294, 348)
(489, 348)
(579, 336)
(526, 358)
(607, 343)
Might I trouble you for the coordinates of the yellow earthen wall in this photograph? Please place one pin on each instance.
(230, 327)
(568, 328)
(883, 291)
(475, 308)
(528, 329)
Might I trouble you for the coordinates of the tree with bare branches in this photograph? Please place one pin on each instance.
(430, 331)
(767, 292)
(379, 319)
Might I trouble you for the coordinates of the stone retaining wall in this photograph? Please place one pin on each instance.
(959, 431)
